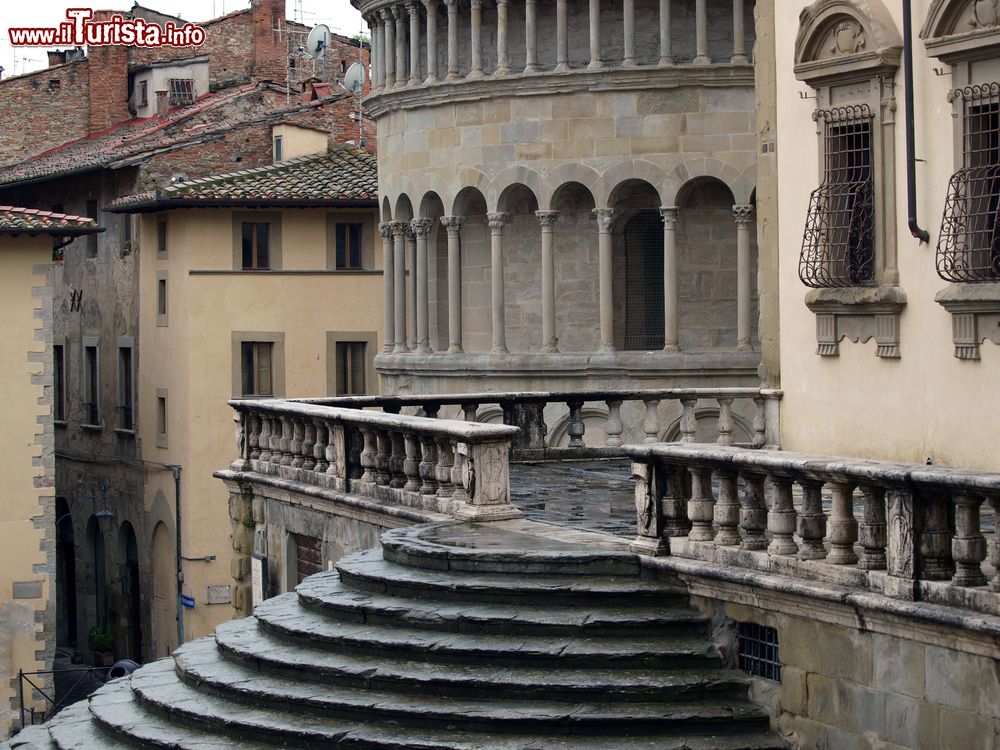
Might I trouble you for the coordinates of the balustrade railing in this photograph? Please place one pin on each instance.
(527, 410)
(893, 528)
(447, 466)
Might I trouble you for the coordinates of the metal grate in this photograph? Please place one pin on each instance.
(838, 245)
(181, 91)
(757, 648)
(969, 243)
(643, 236)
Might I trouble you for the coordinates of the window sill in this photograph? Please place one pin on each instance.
(975, 316)
(59, 423)
(92, 427)
(161, 441)
(125, 432)
(857, 314)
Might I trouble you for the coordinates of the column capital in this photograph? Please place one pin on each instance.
(385, 229)
(669, 216)
(743, 214)
(476, 4)
(503, 2)
(421, 226)
(399, 229)
(399, 11)
(413, 6)
(452, 5)
(386, 15)
(452, 223)
(547, 219)
(497, 220)
(605, 218)
(431, 6)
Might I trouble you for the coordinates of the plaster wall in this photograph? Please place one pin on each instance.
(296, 141)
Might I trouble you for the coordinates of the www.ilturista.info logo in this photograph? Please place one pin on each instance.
(117, 30)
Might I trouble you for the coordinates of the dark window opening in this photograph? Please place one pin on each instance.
(643, 239)
(256, 250)
(348, 246)
(351, 368)
(91, 403)
(143, 93)
(161, 297)
(161, 236)
(181, 91)
(58, 383)
(161, 416)
(277, 148)
(126, 419)
(256, 368)
(757, 649)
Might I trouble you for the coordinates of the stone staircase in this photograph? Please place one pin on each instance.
(450, 636)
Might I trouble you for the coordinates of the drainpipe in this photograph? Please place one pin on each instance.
(176, 472)
(911, 160)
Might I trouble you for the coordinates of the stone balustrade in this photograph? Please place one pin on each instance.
(456, 467)
(527, 410)
(906, 531)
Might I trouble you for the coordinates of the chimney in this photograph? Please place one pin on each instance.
(162, 103)
(56, 57)
(108, 70)
(268, 45)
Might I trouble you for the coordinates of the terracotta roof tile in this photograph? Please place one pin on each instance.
(16, 220)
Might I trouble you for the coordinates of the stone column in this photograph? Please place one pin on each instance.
(421, 228)
(385, 229)
(431, 7)
(497, 220)
(550, 342)
(530, 37)
(628, 21)
(389, 49)
(666, 54)
(452, 39)
(739, 37)
(595, 35)
(605, 220)
(399, 285)
(562, 37)
(476, 53)
(701, 33)
(454, 225)
(502, 63)
(413, 8)
(670, 341)
(411, 287)
(399, 11)
(375, 63)
(744, 222)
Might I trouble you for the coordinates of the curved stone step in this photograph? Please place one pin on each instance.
(324, 592)
(243, 642)
(368, 571)
(30, 738)
(503, 548)
(284, 619)
(74, 728)
(203, 667)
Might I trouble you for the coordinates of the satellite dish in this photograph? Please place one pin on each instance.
(354, 79)
(318, 40)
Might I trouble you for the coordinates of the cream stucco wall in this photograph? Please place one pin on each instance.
(27, 616)
(298, 141)
(927, 404)
(191, 358)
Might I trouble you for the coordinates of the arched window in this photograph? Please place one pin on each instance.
(643, 241)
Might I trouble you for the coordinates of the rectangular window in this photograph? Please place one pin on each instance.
(161, 418)
(161, 237)
(91, 386)
(838, 245)
(181, 91)
(143, 96)
(277, 148)
(348, 246)
(92, 238)
(969, 243)
(58, 383)
(256, 256)
(351, 368)
(757, 649)
(126, 389)
(256, 368)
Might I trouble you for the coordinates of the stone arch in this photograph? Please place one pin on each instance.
(469, 198)
(703, 167)
(571, 172)
(386, 214)
(745, 186)
(945, 17)
(469, 177)
(625, 172)
(517, 198)
(511, 177)
(859, 34)
(574, 244)
(404, 208)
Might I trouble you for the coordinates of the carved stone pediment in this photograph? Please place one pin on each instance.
(845, 38)
(962, 29)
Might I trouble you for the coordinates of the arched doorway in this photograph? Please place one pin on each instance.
(67, 624)
(131, 595)
(164, 593)
(99, 601)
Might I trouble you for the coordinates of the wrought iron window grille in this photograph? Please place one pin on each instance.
(181, 91)
(838, 244)
(968, 248)
(757, 650)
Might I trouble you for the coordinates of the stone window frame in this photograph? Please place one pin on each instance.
(366, 337)
(277, 340)
(273, 220)
(368, 235)
(850, 56)
(162, 300)
(59, 415)
(956, 33)
(125, 342)
(91, 383)
(162, 236)
(162, 417)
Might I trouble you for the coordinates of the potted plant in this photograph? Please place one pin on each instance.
(102, 644)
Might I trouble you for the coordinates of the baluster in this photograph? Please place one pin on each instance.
(812, 522)
(614, 430)
(369, 457)
(308, 444)
(759, 423)
(753, 513)
(411, 464)
(576, 426)
(781, 518)
(842, 528)
(689, 421)
(342, 465)
(469, 412)
(431, 410)
(872, 530)
(254, 436)
(264, 441)
(296, 444)
(725, 421)
(285, 444)
(935, 540)
(461, 456)
(675, 501)
(994, 544)
(428, 464)
(968, 546)
(701, 506)
(507, 407)
(382, 454)
(727, 510)
(276, 430)
(651, 421)
(397, 477)
(445, 452)
(319, 449)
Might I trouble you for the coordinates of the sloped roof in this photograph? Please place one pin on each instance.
(16, 220)
(343, 175)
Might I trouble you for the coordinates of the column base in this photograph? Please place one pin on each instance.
(595, 65)
(413, 82)
(629, 62)
(499, 350)
(654, 547)
(550, 349)
(475, 75)
(606, 349)
(424, 349)
(665, 61)
(472, 512)
(530, 68)
(561, 68)
(452, 76)
(455, 349)
(501, 72)
(430, 80)
(744, 346)
(400, 349)
(701, 60)
(739, 60)
(671, 348)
